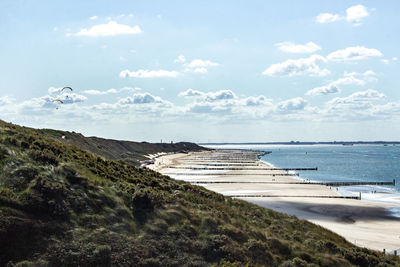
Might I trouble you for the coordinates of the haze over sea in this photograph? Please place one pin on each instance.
(357, 163)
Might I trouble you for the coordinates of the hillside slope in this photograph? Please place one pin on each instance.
(129, 151)
(63, 206)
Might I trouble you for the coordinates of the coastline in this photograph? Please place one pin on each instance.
(364, 223)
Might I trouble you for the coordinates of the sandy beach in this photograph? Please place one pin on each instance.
(240, 174)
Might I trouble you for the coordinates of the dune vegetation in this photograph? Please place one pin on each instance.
(61, 205)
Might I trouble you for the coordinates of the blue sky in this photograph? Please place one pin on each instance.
(205, 71)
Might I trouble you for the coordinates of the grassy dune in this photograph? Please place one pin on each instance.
(129, 151)
(61, 205)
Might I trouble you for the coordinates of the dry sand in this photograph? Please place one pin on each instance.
(364, 223)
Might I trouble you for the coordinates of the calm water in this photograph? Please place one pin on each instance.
(340, 163)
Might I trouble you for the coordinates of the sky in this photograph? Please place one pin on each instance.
(203, 71)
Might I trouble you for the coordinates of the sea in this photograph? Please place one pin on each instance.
(339, 163)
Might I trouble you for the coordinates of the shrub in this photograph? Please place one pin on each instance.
(44, 157)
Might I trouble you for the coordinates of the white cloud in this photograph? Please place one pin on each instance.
(385, 61)
(297, 103)
(220, 95)
(44, 103)
(361, 99)
(354, 53)
(191, 93)
(356, 14)
(289, 47)
(328, 18)
(111, 91)
(256, 101)
(201, 63)
(142, 98)
(69, 98)
(93, 17)
(200, 70)
(180, 59)
(369, 73)
(197, 65)
(209, 96)
(148, 74)
(53, 90)
(324, 90)
(111, 28)
(348, 79)
(6, 100)
(299, 66)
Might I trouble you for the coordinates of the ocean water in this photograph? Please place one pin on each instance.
(361, 163)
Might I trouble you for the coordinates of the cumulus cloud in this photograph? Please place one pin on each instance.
(201, 63)
(93, 17)
(66, 96)
(290, 47)
(44, 103)
(369, 73)
(301, 66)
(148, 74)
(252, 101)
(354, 53)
(111, 91)
(367, 76)
(333, 87)
(196, 65)
(327, 18)
(6, 100)
(209, 96)
(70, 98)
(296, 103)
(142, 98)
(200, 70)
(324, 90)
(54, 90)
(356, 14)
(180, 59)
(361, 99)
(191, 93)
(219, 95)
(111, 28)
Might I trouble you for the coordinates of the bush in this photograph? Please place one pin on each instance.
(44, 157)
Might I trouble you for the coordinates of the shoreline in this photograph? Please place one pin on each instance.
(383, 195)
(364, 223)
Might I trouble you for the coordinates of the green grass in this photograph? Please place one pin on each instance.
(63, 206)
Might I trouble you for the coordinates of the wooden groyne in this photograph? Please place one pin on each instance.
(228, 159)
(307, 183)
(244, 169)
(357, 183)
(221, 161)
(226, 164)
(234, 174)
(260, 195)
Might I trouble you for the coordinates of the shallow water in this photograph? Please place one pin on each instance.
(338, 163)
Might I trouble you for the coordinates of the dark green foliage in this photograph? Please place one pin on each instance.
(63, 206)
